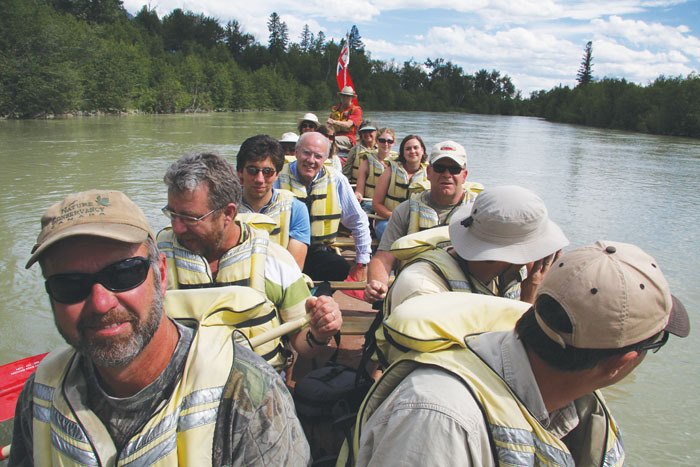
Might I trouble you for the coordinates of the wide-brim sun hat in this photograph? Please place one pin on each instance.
(309, 117)
(506, 223)
(347, 91)
(289, 137)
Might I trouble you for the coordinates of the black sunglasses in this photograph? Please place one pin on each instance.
(385, 140)
(266, 171)
(121, 276)
(453, 169)
(308, 125)
(656, 344)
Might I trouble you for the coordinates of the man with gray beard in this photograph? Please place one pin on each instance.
(134, 386)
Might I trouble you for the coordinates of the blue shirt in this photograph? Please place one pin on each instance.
(299, 224)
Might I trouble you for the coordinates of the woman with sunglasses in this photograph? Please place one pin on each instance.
(372, 166)
(403, 176)
(309, 122)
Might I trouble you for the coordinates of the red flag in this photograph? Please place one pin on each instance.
(342, 73)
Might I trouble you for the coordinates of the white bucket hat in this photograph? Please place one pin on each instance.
(506, 223)
(309, 117)
(289, 137)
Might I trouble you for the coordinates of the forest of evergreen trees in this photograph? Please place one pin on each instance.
(88, 56)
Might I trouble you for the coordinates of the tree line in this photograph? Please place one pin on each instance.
(88, 56)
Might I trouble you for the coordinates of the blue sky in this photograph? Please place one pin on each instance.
(538, 43)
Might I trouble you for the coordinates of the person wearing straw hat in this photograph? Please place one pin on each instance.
(345, 119)
(530, 396)
(309, 122)
(134, 385)
(507, 228)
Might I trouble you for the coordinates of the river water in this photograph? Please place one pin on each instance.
(597, 184)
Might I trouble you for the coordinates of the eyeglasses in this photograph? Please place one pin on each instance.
(656, 344)
(310, 153)
(453, 169)
(386, 140)
(190, 220)
(266, 171)
(121, 276)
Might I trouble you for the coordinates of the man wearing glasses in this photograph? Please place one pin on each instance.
(447, 174)
(530, 396)
(208, 246)
(258, 162)
(330, 200)
(135, 386)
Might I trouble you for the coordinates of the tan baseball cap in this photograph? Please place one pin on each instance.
(99, 213)
(614, 294)
(450, 149)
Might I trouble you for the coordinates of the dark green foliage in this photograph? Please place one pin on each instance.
(585, 71)
(669, 106)
(60, 56)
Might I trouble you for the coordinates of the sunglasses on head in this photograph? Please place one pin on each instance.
(453, 169)
(656, 344)
(266, 171)
(385, 140)
(121, 276)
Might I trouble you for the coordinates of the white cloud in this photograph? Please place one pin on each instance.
(538, 43)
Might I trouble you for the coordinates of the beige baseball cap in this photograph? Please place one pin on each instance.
(450, 149)
(99, 213)
(614, 294)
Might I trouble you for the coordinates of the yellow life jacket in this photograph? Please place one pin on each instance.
(440, 339)
(401, 185)
(243, 265)
(356, 154)
(321, 200)
(421, 216)
(519, 438)
(279, 210)
(375, 168)
(67, 433)
(222, 306)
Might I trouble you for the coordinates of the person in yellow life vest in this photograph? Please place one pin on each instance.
(529, 396)
(447, 174)
(134, 386)
(504, 245)
(330, 200)
(405, 175)
(258, 163)
(372, 166)
(345, 119)
(207, 246)
(366, 144)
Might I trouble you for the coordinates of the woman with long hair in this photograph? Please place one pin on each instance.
(403, 176)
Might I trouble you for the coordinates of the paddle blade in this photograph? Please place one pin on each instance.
(12, 378)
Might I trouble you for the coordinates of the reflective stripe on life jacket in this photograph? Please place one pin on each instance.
(181, 432)
(321, 200)
(280, 210)
(401, 185)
